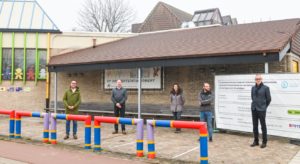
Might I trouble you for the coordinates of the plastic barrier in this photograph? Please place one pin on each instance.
(86, 118)
(118, 120)
(11, 114)
(20, 114)
(178, 124)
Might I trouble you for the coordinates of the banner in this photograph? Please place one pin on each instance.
(233, 103)
(151, 78)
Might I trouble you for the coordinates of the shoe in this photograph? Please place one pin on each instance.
(263, 145)
(210, 140)
(115, 132)
(75, 136)
(66, 137)
(254, 144)
(123, 132)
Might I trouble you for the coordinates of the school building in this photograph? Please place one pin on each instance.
(33, 51)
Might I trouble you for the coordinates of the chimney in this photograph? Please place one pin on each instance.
(94, 43)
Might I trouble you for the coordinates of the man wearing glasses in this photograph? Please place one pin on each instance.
(261, 99)
(72, 101)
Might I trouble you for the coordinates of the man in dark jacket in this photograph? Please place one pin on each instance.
(72, 101)
(261, 99)
(119, 97)
(206, 99)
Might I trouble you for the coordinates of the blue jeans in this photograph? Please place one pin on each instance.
(68, 122)
(207, 117)
(177, 116)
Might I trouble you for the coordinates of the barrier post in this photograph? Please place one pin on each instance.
(46, 128)
(97, 134)
(203, 145)
(88, 132)
(53, 129)
(139, 137)
(12, 124)
(150, 138)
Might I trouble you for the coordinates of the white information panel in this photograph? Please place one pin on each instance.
(151, 78)
(233, 103)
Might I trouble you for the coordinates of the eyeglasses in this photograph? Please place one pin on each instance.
(257, 78)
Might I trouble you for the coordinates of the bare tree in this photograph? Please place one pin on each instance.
(106, 16)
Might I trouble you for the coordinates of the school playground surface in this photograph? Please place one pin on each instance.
(170, 147)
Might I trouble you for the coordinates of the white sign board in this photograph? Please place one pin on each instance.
(151, 78)
(233, 103)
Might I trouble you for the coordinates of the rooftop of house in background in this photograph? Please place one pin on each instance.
(25, 16)
(165, 17)
(162, 17)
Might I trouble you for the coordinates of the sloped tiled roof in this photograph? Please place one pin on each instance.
(164, 17)
(24, 15)
(252, 38)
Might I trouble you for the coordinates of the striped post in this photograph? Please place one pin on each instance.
(150, 138)
(87, 134)
(11, 124)
(97, 135)
(53, 129)
(139, 137)
(46, 128)
(203, 145)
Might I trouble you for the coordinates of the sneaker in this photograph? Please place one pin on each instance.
(115, 132)
(123, 132)
(75, 136)
(210, 140)
(66, 137)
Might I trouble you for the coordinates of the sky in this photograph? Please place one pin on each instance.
(64, 13)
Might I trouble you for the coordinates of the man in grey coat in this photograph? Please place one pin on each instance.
(206, 100)
(261, 99)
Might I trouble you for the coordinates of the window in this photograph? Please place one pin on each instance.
(6, 64)
(42, 64)
(30, 64)
(202, 16)
(295, 66)
(196, 17)
(19, 64)
(209, 16)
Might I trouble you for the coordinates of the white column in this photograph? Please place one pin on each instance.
(266, 67)
(55, 92)
(139, 92)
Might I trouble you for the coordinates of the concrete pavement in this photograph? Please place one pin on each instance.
(171, 147)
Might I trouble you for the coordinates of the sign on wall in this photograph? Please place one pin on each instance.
(151, 78)
(233, 103)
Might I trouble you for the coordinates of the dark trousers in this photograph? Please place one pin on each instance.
(119, 112)
(261, 116)
(68, 122)
(177, 116)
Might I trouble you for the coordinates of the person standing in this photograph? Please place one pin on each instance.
(177, 102)
(261, 99)
(206, 100)
(119, 97)
(72, 100)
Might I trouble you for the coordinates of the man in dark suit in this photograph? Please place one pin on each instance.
(261, 99)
